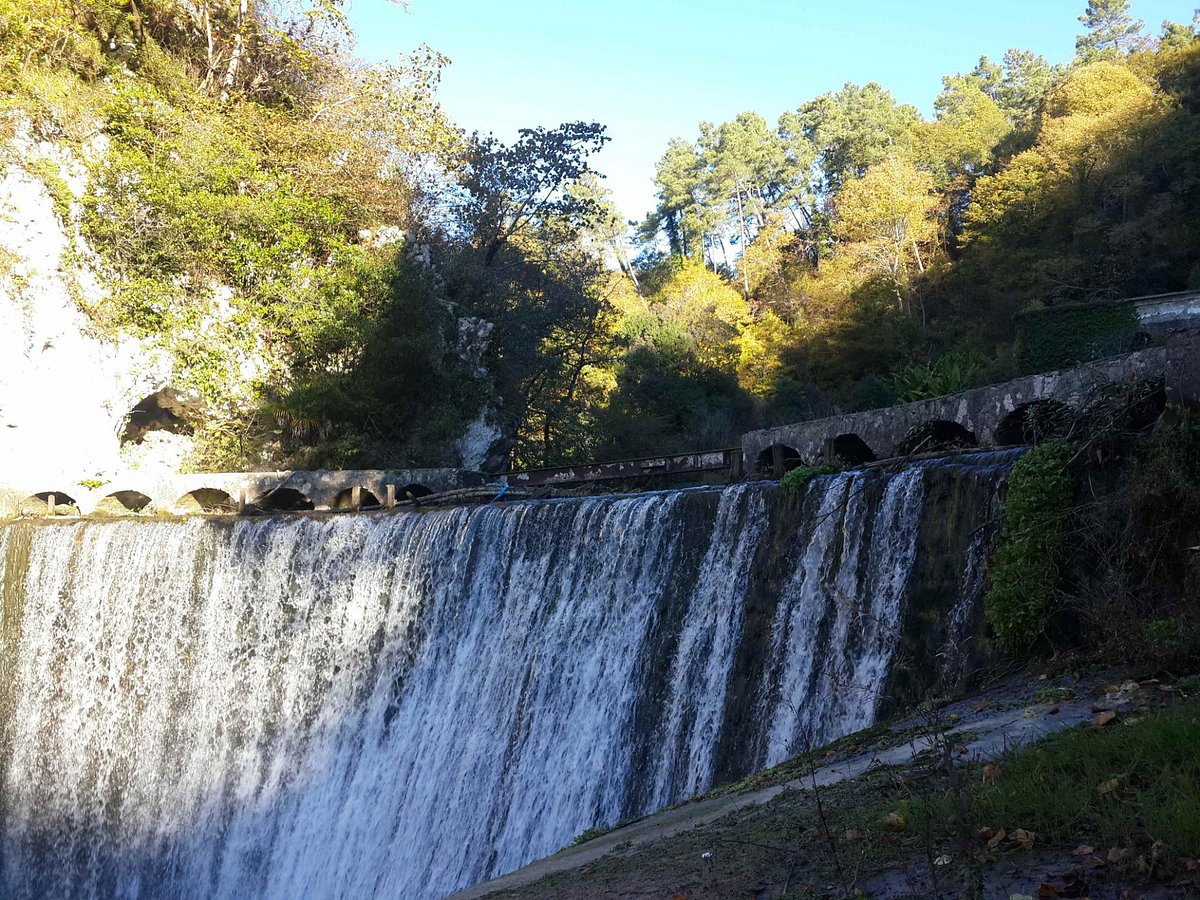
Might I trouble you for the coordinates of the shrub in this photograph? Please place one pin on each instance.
(948, 374)
(1059, 336)
(797, 479)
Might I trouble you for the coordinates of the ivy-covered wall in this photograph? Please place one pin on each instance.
(1056, 337)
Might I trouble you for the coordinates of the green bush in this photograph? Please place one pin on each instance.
(797, 479)
(1032, 546)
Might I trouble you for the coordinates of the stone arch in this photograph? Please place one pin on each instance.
(284, 500)
(345, 499)
(1147, 402)
(206, 500)
(1128, 407)
(164, 410)
(412, 491)
(851, 449)
(935, 435)
(1034, 423)
(769, 460)
(122, 503)
(39, 504)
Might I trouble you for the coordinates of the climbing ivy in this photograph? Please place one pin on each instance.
(1061, 336)
(1027, 561)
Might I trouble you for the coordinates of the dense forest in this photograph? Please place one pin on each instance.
(255, 192)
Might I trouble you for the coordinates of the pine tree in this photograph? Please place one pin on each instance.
(1111, 31)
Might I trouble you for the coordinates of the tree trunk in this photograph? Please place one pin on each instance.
(211, 61)
(745, 242)
(235, 55)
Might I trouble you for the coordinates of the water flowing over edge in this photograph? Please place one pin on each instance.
(407, 704)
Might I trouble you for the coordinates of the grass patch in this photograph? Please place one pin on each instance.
(1132, 784)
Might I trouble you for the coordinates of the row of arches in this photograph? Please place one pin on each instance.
(1030, 423)
(211, 501)
(851, 450)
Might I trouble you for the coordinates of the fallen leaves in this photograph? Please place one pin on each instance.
(894, 821)
(1107, 717)
(1022, 838)
(1073, 884)
(1105, 788)
(1000, 839)
(1119, 856)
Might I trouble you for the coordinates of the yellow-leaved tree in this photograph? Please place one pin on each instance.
(886, 221)
(708, 309)
(1090, 125)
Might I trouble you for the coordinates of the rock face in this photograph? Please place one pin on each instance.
(65, 391)
(484, 446)
(81, 406)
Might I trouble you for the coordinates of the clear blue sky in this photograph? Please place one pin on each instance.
(652, 69)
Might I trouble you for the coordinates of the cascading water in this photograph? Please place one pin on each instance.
(838, 617)
(403, 705)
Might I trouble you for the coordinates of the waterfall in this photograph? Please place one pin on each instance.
(405, 704)
(838, 618)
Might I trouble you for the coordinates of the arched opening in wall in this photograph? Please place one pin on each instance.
(39, 505)
(345, 500)
(851, 450)
(790, 456)
(122, 503)
(412, 492)
(206, 500)
(166, 410)
(284, 500)
(1034, 423)
(936, 435)
(1145, 405)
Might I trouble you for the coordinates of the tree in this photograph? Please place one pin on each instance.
(886, 220)
(968, 129)
(853, 129)
(513, 188)
(746, 170)
(702, 305)
(1176, 36)
(1027, 79)
(605, 226)
(989, 77)
(1111, 31)
(678, 179)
